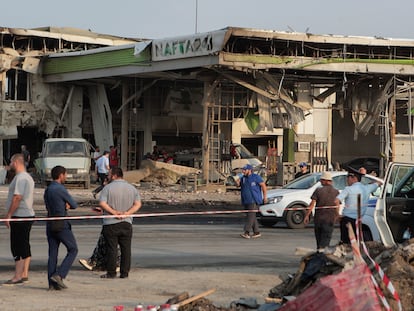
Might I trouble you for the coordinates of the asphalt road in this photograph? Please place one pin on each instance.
(187, 242)
(197, 251)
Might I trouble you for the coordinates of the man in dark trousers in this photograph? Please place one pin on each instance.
(121, 199)
(326, 212)
(58, 201)
(253, 193)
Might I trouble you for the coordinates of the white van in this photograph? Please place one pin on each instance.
(72, 153)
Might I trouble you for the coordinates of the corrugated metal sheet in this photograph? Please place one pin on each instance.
(107, 59)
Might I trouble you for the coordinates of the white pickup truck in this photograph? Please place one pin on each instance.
(72, 153)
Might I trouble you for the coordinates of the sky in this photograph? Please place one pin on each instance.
(155, 19)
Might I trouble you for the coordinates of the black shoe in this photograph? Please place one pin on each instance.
(54, 286)
(58, 280)
(108, 276)
(123, 275)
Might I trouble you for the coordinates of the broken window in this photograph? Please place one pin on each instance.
(17, 86)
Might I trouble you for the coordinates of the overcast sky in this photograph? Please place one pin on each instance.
(169, 18)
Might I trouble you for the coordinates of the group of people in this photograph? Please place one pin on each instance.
(118, 199)
(160, 156)
(325, 201)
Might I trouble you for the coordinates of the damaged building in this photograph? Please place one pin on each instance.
(315, 98)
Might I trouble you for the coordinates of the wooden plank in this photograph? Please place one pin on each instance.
(194, 298)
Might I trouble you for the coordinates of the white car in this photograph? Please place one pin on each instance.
(288, 203)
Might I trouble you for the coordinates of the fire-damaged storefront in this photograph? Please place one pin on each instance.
(287, 97)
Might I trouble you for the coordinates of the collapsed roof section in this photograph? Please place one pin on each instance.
(270, 64)
(24, 98)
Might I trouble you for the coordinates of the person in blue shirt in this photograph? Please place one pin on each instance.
(349, 196)
(253, 193)
(58, 201)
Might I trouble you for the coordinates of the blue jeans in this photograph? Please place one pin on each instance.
(54, 239)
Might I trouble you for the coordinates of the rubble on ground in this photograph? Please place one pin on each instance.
(397, 263)
(315, 268)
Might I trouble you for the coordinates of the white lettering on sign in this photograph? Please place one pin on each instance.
(182, 47)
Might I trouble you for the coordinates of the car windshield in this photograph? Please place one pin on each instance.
(303, 182)
(65, 148)
(309, 180)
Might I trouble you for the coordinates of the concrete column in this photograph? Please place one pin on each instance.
(124, 128)
(147, 125)
(206, 136)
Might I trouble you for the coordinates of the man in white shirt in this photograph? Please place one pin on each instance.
(102, 170)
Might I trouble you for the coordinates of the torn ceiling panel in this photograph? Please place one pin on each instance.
(101, 116)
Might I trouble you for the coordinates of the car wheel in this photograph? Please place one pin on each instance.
(295, 218)
(267, 221)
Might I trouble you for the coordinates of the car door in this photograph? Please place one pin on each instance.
(394, 212)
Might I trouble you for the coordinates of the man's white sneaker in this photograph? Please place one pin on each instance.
(245, 235)
(256, 235)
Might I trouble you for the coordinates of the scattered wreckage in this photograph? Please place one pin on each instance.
(339, 279)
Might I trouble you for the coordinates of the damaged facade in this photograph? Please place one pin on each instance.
(332, 93)
(31, 109)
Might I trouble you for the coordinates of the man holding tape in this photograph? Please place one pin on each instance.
(121, 199)
(20, 205)
(326, 212)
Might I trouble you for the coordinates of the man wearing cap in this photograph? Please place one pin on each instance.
(349, 196)
(326, 211)
(253, 193)
(303, 169)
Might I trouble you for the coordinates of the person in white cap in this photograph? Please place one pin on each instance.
(326, 212)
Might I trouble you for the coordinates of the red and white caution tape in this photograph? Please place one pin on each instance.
(360, 260)
(126, 216)
(384, 278)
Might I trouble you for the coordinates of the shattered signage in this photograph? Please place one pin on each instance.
(188, 46)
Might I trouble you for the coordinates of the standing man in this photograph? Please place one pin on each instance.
(303, 169)
(58, 200)
(102, 170)
(349, 196)
(253, 193)
(20, 205)
(326, 211)
(122, 199)
(95, 156)
(113, 156)
(26, 155)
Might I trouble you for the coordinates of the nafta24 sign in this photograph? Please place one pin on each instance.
(188, 46)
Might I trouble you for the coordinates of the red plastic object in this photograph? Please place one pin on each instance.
(351, 290)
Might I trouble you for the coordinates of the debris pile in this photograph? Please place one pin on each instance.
(159, 173)
(333, 281)
(397, 264)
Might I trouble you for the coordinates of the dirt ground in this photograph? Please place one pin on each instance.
(92, 293)
(88, 292)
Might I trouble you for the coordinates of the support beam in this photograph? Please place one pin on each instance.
(124, 128)
(208, 91)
